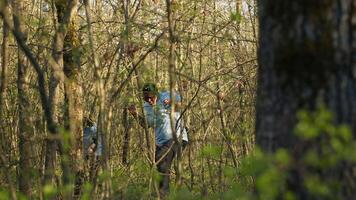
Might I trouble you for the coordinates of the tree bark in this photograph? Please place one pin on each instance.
(4, 60)
(4, 81)
(24, 132)
(301, 61)
(65, 12)
(306, 57)
(127, 137)
(73, 94)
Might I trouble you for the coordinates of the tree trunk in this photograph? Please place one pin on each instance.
(171, 5)
(65, 12)
(304, 55)
(4, 81)
(24, 132)
(74, 103)
(307, 56)
(4, 60)
(67, 39)
(127, 137)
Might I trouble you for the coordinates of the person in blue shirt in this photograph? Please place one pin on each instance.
(92, 146)
(91, 140)
(157, 109)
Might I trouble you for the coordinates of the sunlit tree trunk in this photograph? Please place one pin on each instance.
(73, 92)
(104, 117)
(4, 80)
(24, 132)
(128, 45)
(307, 56)
(171, 6)
(65, 12)
(239, 7)
(4, 60)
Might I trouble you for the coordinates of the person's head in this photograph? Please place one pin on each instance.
(150, 93)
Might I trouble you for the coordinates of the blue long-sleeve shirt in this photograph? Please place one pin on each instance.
(90, 136)
(158, 117)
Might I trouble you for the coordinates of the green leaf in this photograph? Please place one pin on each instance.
(269, 183)
(4, 194)
(282, 157)
(49, 191)
(211, 151)
(345, 132)
(316, 186)
(235, 16)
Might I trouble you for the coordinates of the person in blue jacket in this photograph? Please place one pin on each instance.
(92, 146)
(91, 139)
(157, 109)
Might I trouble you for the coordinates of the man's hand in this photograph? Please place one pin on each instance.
(166, 102)
(177, 105)
(91, 149)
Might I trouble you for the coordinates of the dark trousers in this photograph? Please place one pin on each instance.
(164, 157)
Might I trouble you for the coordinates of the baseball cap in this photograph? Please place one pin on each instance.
(150, 88)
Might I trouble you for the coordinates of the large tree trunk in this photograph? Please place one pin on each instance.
(24, 132)
(65, 12)
(3, 80)
(73, 98)
(307, 51)
(307, 56)
(4, 60)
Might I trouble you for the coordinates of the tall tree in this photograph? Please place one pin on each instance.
(65, 12)
(4, 73)
(73, 91)
(307, 56)
(4, 60)
(5, 143)
(24, 133)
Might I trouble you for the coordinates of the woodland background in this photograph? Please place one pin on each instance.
(64, 60)
(110, 48)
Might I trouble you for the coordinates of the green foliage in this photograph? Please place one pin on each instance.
(66, 137)
(49, 191)
(326, 149)
(135, 192)
(87, 188)
(211, 151)
(235, 16)
(181, 193)
(4, 194)
(325, 145)
(336, 140)
(267, 170)
(317, 186)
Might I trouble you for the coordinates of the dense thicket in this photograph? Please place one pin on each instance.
(64, 60)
